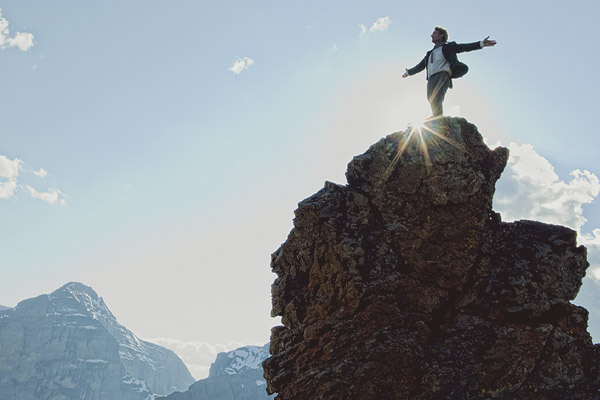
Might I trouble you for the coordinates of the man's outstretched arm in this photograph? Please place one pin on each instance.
(416, 69)
(461, 48)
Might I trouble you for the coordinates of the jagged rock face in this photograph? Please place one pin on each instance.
(235, 375)
(68, 345)
(404, 284)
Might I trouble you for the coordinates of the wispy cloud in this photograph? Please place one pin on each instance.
(52, 196)
(241, 64)
(531, 189)
(9, 171)
(41, 173)
(22, 40)
(382, 24)
(197, 356)
(9, 182)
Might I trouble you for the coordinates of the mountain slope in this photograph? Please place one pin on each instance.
(68, 345)
(235, 375)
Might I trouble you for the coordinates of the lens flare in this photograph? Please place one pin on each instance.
(425, 135)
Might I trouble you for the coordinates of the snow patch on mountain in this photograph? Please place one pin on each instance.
(244, 359)
(235, 375)
(239, 361)
(72, 340)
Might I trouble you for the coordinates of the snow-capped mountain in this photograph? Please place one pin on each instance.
(235, 375)
(239, 361)
(68, 345)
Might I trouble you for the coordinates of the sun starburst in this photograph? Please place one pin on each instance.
(425, 135)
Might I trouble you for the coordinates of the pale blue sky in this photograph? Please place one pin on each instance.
(180, 177)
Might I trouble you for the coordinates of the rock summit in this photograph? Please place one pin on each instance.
(405, 284)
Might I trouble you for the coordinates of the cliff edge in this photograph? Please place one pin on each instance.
(404, 284)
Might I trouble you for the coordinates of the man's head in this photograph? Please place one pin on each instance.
(439, 35)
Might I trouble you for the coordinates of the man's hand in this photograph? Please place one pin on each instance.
(488, 43)
(405, 75)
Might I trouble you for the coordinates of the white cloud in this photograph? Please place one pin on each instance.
(531, 189)
(197, 356)
(9, 171)
(52, 196)
(22, 40)
(333, 48)
(241, 64)
(41, 173)
(381, 24)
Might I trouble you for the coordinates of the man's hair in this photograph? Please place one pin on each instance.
(443, 30)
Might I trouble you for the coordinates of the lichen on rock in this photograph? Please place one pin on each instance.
(405, 284)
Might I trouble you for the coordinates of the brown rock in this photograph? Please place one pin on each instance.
(404, 284)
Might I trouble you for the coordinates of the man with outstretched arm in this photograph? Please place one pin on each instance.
(442, 66)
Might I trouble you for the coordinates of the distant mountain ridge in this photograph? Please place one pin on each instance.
(235, 375)
(239, 361)
(4, 307)
(68, 345)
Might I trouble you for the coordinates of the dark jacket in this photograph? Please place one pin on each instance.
(450, 50)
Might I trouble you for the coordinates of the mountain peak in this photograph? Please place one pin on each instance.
(405, 284)
(78, 287)
(239, 360)
(72, 294)
(235, 375)
(70, 342)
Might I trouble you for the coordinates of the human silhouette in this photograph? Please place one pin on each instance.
(442, 66)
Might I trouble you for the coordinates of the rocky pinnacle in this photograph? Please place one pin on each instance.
(405, 284)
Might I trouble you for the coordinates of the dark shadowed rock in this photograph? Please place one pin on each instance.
(404, 284)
